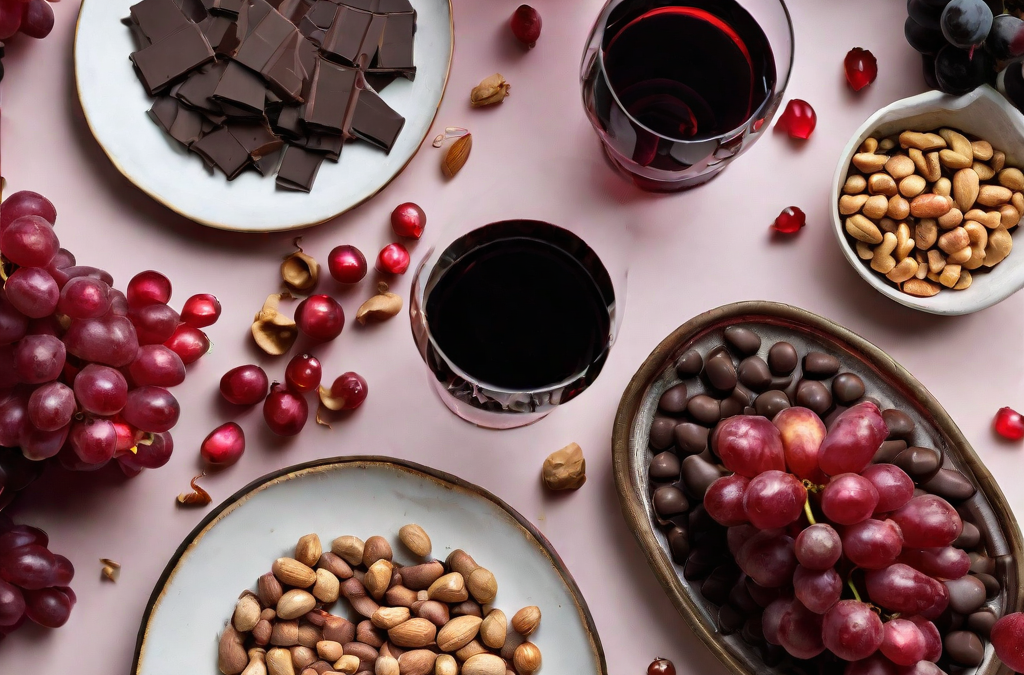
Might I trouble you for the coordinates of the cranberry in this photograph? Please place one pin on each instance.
(661, 666)
(148, 288)
(201, 310)
(303, 373)
(408, 220)
(861, 68)
(347, 264)
(188, 343)
(285, 412)
(798, 119)
(393, 259)
(349, 390)
(320, 317)
(244, 385)
(789, 221)
(224, 446)
(1009, 424)
(526, 25)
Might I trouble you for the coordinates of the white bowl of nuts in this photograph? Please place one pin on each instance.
(926, 200)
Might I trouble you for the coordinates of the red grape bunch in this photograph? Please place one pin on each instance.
(33, 581)
(864, 566)
(84, 368)
(33, 18)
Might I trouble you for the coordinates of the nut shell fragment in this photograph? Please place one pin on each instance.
(491, 90)
(299, 271)
(565, 469)
(380, 307)
(274, 332)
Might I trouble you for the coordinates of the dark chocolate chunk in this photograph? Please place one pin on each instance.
(847, 388)
(770, 403)
(743, 395)
(158, 19)
(982, 564)
(919, 463)
(678, 544)
(753, 372)
(717, 586)
(393, 6)
(982, 622)
(691, 439)
(395, 53)
(379, 81)
(704, 409)
(749, 410)
(664, 467)
(257, 138)
(354, 36)
(730, 407)
(294, 10)
(262, 43)
(662, 429)
(951, 485)
(743, 340)
(252, 13)
(187, 127)
(819, 365)
(814, 395)
(966, 594)
(241, 88)
(730, 620)
(888, 452)
(140, 39)
(224, 7)
(700, 563)
(689, 364)
(289, 123)
(375, 122)
(740, 598)
(781, 383)
(698, 475)
(221, 33)
(164, 110)
(964, 648)
(298, 168)
(669, 501)
(365, 5)
(969, 538)
(782, 358)
(673, 400)
(267, 164)
(290, 70)
(219, 148)
(992, 585)
(899, 423)
(329, 144)
(193, 10)
(162, 63)
(720, 371)
(753, 631)
(332, 97)
(197, 90)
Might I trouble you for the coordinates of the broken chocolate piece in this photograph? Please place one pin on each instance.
(239, 87)
(220, 32)
(262, 43)
(396, 45)
(291, 69)
(225, 7)
(374, 121)
(289, 123)
(197, 90)
(329, 144)
(365, 5)
(354, 36)
(378, 81)
(393, 6)
(267, 165)
(163, 112)
(187, 127)
(257, 138)
(219, 148)
(158, 19)
(298, 168)
(140, 39)
(332, 97)
(162, 63)
(294, 10)
(193, 10)
(250, 16)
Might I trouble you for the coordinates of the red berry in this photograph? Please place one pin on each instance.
(320, 317)
(798, 119)
(408, 220)
(1008, 640)
(789, 221)
(526, 25)
(148, 288)
(393, 259)
(1009, 424)
(661, 666)
(201, 310)
(284, 412)
(188, 343)
(244, 385)
(861, 68)
(349, 390)
(347, 264)
(303, 373)
(224, 446)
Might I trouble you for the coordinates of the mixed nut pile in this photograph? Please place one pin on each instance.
(929, 209)
(430, 618)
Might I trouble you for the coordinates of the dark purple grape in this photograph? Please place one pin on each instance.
(1006, 39)
(1012, 79)
(12, 603)
(48, 607)
(924, 40)
(958, 73)
(924, 13)
(966, 23)
(928, 70)
(30, 566)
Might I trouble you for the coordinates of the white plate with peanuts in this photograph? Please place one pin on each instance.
(366, 565)
(926, 200)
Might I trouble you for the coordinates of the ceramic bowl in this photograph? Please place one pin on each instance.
(984, 113)
(885, 380)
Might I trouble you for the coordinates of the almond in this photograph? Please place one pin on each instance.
(482, 585)
(387, 618)
(349, 549)
(308, 550)
(493, 629)
(413, 633)
(418, 662)
(484, 664)
(920, 288)
(456, 156)
(247, 613)
(965, 188)
(415, 538)
(458, 633)
(994, 195)
(294, 604)
(449, 588)
(291, 572)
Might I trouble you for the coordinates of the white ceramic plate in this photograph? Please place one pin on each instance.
(363, 496)
(984, 113)
(115, 106)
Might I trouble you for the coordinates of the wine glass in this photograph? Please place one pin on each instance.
(677, 89)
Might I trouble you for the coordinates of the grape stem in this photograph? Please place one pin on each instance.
(853, 587)
(807, 510)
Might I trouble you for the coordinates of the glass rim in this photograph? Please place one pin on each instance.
(602, 25)
(420, 295)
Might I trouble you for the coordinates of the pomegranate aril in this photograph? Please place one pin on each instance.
(201, 310)
(393, 259)
(1009, 424)
(284, 412)
(320, 317)
(798, 119)
(347, 264)
(790, 221)
(861, 68)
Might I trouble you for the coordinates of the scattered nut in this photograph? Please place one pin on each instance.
(456, 156)
(527, 658)
(111, 569)
(565, 469)
(274, 333)
(380, 307)
(526, 620)
(308, 550)
(198, 496)
(491, 90)
(299, 271)
(415, 539)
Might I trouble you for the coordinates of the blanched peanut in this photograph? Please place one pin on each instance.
(926, 233)
(982, 150)
(924, 142)
(1012, 178)
(989, 219)
(875, 207)
(983, 170)
(950, 275)
(954, 240)
(887, 225)
(920, 288)
(886, 144)
(862, 229)
(851, 204)
(881, 184)
(922, 264)
(899, 166)
(994, 195)
(959, 257)
(936, 261)
(899, 208)
(965, 281)
(904, 244)
(954, 160)
(869, 145)
(933, 168)
(882, 260)
(1009, 216)
(1000, 243)
(998, 160)
(942, 187)
(864, 251)
(1018, 201)
(904, 270)
(912, 186)
(869, 162)
(951, 219)
(855, 184)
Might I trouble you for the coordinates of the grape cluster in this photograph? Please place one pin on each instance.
(862, 562)
(33, 581)
(84, 368)
(964, 43)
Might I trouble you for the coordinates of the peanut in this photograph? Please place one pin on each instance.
(851, 204)
(950, 275)
(994, 195)
(923, 142)
(926, 233)
(954, 160)
(899, 166)
(906, 269)
(881, 184)
(855, 184)
(899, 208)
(882, 260)
(982, 150)
(869, 145)
(920, 288)
(875, 207)
(953, 218)
(954, 240)
(936, 261)
(913, 185)
(1000, 243)
(983, 170)
(1009, 216)
(869, 162)
(965, 281)
(930, 206)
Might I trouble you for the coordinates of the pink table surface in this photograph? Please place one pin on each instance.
(535, 155)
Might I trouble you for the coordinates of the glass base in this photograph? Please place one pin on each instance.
(652, 185)
(486, 419)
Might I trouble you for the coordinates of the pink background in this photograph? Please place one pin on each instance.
(535, 155)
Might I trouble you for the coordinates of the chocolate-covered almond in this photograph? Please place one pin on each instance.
(753, 373)
(819, 365)
(662, 432)
(753, 631)
(730, 620)
(964, 647)
(847, 388)
(982, 564)
(966, 594)
(919, 463)
(969, 538)
(770, 403)
(678, 544)
(992, 585)
(705, 409)
(690, 438)
(982, 622)
(743, 340)
(717, 586)
(951, 485)
(701, 562)
(781, 382)
(782, 358)
(689, 364)
(664, 467)
(730, 407)
(673, 401)
(669, 501)
(814, 395)
(888, 452)
(720, 371)
(740, 598)
(899, 423)
(698, 475)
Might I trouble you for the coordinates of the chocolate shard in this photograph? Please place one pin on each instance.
(140, 39)
(329, 144)
(289, 123)
(220, 32)
(257, 138)
(225, 7)
(158, 19)
(267, 164)
(193, 10)
(290, 71)
(317, 21)
(197, 90)
(354, 36)
(219, 148)
(298, 168)
(187, 127)
(263, 42)
(332, 97)
(396, 45)
(162, 63)
(394, 6)
(241, 88)
(378, 81)
(250, 16)
(163, 112)
(294, 10)
(375, 121)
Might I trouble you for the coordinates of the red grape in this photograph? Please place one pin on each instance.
(772, 618)
(928, 521)
(724, 500)
(932, 639)
(748, 445)
(154, 323)
(91, 272)
(350, 389)
(13, 418)
(818, 590)
(39, 445)
(849, 499)
(224, 445)
(303, 373)
(852, 631)
(94, 440)
(244, 385)
(895, 488)
(37, 20)
(408, 220)
(526, 24)
(12, 603)
(101, 390)
(30, 567)
(157, 365)
(188, 343)
(84, 298)
(320, 317)
(10, 20)
(768, 558)
(201, 310)
(29, 242)
(151, 409)
(818, 547)
(800, 632)
(903, 589)
(942, 563)
(853, 439)
(151, 453)
(32, 291)
(26, 203)
(774, 499)
(51, 406)
(13, 324)
(65, 571)
(148, 288)
(872, 544)
(284, 412)
(903, 643)
(876, 664)
(801, 432)
(109, 340)
(1008, 639)
(39, 358)
(48, 607)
